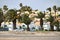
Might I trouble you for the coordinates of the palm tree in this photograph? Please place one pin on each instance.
(5, 7)
(51, 20)
(1, 16)
(58, 8)
(57, 22)
(54, 8)
(25, 8)
(11, 16)
(41, 15)
(49, 9)
(26, 20)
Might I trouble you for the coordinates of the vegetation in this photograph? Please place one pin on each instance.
(5, 7)
(51, 20)
(49, 9)
(56, 23)
(11, 15)
(1, 16)
(26, 20)
(41, 15)
(54, 8)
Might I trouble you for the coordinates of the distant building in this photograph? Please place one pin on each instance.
(9, 25)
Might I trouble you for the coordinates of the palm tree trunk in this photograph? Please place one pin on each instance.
(52, 27)
(55, 14)
(28, 29)
(58, 26)
(50, 13)
(41, 23)
(14, 24)
(1, 22)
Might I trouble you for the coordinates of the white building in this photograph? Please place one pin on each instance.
(46, 25)
(9, 25)
(21, 26)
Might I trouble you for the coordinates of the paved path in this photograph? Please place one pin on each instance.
(29, 36)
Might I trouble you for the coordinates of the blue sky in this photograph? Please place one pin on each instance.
(34, 4)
